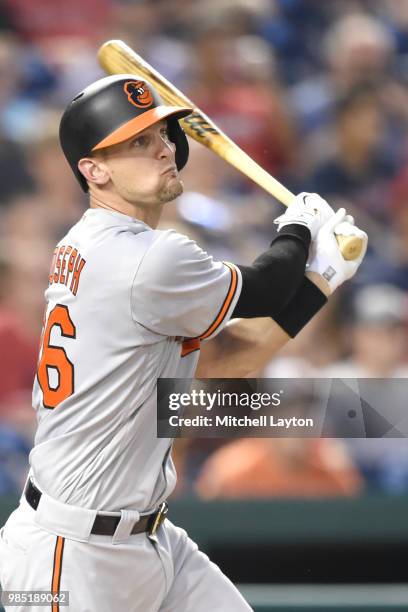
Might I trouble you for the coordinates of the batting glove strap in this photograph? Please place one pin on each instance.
(301, 309)
(325, 257)
(308, 210)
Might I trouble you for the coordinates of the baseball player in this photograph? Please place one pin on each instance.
(126, 304)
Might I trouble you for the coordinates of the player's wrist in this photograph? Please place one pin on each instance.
(320, 282)
(328, 269)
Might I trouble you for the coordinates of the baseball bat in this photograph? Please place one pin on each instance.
(116, 57)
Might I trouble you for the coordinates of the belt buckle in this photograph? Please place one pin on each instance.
(159, 518)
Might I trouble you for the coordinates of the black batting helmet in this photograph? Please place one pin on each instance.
(112, 110)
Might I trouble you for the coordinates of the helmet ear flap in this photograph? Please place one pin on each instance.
(178, 137)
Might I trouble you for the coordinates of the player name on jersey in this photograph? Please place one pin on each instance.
(67, 265)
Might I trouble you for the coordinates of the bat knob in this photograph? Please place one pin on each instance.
(350, 246)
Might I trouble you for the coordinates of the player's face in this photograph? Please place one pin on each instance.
(143, 169)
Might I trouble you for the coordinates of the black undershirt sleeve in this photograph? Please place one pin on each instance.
(274, 278)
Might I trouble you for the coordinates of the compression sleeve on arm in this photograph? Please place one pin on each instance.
(275, 276)
(304, 305)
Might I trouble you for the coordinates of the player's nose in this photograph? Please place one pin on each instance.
(166, 148)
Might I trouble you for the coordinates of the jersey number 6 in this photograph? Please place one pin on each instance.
(55, 357)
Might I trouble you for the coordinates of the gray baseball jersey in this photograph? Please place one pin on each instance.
(126, 304)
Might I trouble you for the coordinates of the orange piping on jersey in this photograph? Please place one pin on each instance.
(227, 302)
(189, 346)
(56, 572)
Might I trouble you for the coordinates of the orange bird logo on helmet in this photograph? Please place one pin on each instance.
(138, 93)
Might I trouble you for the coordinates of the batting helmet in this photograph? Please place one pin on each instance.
(112, 110)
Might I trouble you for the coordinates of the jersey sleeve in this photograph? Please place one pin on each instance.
(180, 290)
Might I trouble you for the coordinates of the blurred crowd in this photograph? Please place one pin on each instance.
(317, 93)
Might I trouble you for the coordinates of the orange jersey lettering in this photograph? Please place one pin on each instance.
(67, 265)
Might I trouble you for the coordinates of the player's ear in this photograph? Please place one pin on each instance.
(94, 170)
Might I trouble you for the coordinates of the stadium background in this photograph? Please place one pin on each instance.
(317, 92)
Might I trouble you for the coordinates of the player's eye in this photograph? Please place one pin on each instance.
(165, 133)
(140, 141)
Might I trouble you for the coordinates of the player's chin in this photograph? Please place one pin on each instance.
(171, 190)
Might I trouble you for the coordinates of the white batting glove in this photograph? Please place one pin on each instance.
(325, 256)
(307, 209)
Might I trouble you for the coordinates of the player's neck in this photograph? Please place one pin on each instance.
(150, 216)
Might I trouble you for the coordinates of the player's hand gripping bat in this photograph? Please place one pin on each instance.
(117, 58)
